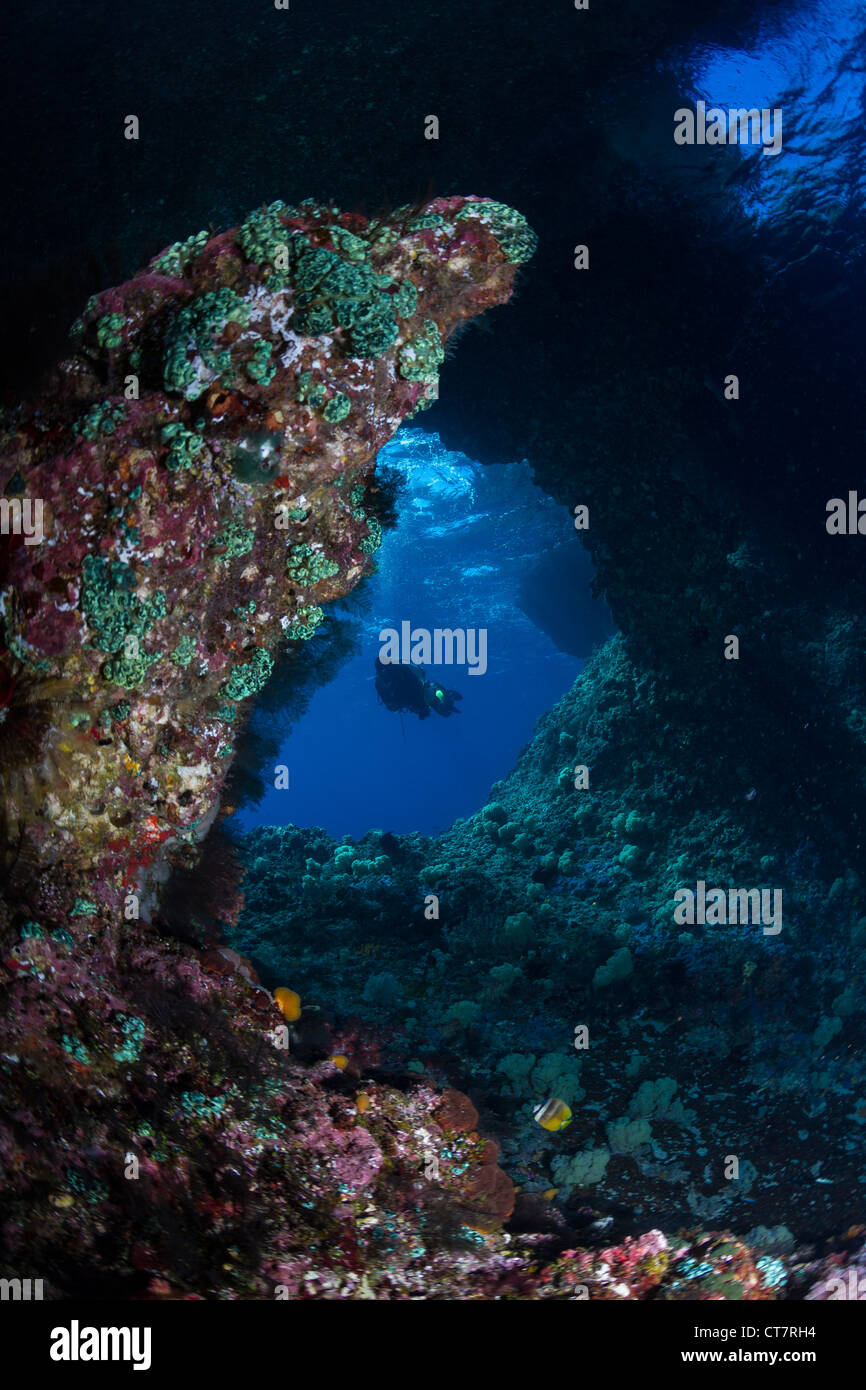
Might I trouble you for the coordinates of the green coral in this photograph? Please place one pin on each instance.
(349, 245)
(260, 366)
(373, 329)
(337, 408)
(22, 651)
(356, 497)
(405, 300)
(195, 329)
(78, 327)
(423, 403)
(198, 1106)
(186, 446)
(382, 238)
(133, 1031)
(109, 332)
(83, 907)
(248, 679)
(423, 355)
(307, 566)
(429, 220)
(175, 259)
(184, 651)
(76, 1049)
(112, 609)
(100, 419)
(88, 1188)
(264, 234)
(373, 538)
(332, 293)
(305, 623)
(309, 391)
(234, 539)
(129, 671)
(434, 875)
(511, 229)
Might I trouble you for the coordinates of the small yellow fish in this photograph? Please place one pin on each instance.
(553, 1115)
(340, 1061)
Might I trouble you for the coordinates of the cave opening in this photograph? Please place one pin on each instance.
(478, 550)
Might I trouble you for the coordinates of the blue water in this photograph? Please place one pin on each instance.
(809, 63)
(463, 555)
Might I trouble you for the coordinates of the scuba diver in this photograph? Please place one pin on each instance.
(404, 687)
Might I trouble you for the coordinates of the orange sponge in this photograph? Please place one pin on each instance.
(289, 1003)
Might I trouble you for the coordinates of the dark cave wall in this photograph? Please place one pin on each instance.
(707, 517)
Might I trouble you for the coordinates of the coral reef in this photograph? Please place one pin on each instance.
(201, 463)
(554, 966)
(205, 465)
(185, 1150)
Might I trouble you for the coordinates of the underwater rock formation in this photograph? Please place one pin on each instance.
(204, 466)
(198, 475)
(187, 490)
(555, 912)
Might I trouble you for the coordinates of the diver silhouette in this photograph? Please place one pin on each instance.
(404, 687)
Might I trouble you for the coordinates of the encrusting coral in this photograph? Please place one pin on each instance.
(202, 469)
(555, 971)
(204, 463)
(201, 463)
